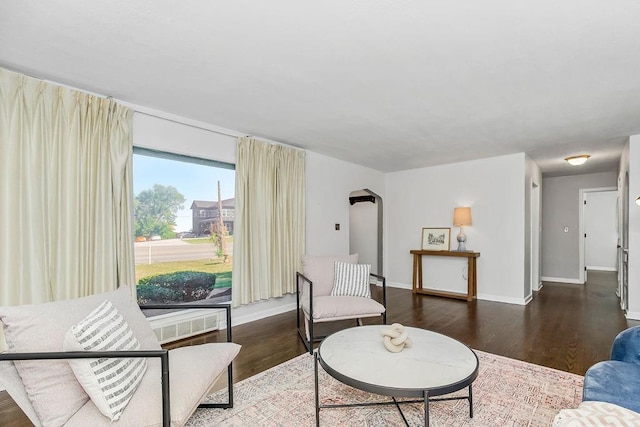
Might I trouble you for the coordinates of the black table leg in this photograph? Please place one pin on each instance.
(315, 356)
(426, 408)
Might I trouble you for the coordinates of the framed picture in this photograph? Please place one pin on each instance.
(436, 239)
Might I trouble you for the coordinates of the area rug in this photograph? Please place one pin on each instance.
(507, 392)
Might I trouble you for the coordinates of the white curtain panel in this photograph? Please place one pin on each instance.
(270, 220)
(65, 192)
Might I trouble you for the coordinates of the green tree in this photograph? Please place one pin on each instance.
(155, 211)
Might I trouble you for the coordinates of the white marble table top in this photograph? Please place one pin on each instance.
(435, 362)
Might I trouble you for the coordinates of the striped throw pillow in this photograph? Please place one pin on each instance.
(110, 383)
(351, 280)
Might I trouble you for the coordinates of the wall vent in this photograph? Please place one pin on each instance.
(185, 324)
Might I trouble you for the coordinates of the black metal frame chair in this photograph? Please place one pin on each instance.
(308, 343)
(162, 354)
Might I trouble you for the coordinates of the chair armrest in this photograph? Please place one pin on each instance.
(384, 287)
(379, 278)
(626, 346)
(58, 355)
(227, 308)
(304, 279)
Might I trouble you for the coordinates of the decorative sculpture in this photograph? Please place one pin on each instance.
(396, 338)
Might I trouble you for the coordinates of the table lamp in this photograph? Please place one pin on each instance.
(461, 218)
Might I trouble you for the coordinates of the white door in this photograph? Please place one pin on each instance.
(601, 230)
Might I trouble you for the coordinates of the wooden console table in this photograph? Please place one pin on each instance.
(471, 274)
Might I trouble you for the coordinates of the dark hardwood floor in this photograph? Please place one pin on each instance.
(566, 327)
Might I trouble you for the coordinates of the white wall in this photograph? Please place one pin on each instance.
(494, 188)
(623, 226)
(634, 227)
(165, 135)
(533, 177)
(329, 183)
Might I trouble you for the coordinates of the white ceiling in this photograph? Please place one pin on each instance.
(388, 84)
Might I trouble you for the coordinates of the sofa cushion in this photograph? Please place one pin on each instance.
(321, 271)
(110, 383)
(10, 380)
(50, 384)
(614, 382)
(330, 308)
(594, 414)
(351, 280)
(192, 372)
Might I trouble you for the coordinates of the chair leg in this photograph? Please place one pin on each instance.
(307, 335)
(229, 403)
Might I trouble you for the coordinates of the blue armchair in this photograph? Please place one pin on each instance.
(617, 380)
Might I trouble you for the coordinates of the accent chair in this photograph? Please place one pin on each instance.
(617, 380)
(95, 361)
(333, 288)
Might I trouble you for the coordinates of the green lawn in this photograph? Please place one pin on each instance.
(222, 270)
(204, 240)
(199, 240)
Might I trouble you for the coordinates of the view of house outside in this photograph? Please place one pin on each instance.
(184, 212)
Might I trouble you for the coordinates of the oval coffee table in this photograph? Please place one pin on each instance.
(435, 365)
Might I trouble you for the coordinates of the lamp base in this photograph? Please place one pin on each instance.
(462, 238)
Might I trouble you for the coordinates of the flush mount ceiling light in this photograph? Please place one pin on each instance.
(577, 160)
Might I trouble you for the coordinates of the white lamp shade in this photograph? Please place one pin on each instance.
(461, 217)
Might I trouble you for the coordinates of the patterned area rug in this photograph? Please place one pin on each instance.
(507, 392)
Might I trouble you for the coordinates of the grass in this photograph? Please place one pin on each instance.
(221, 269)
(205, 240)
(199, 240)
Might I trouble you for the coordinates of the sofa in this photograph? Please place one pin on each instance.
(617, 380)
(49, 373)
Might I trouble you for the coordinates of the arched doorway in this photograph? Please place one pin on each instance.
(365, 228)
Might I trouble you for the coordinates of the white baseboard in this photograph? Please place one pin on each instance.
(633, 315)
(485, 297)
(400, 285)
(562, 280)
(528, 299)
(494, 298)
(260, 310)
(602, 268)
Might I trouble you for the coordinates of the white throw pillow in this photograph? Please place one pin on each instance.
(351, 280)
(110, 383)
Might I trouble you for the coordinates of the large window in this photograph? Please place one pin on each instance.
(183, 246)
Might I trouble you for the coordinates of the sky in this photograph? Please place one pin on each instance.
(193, 181)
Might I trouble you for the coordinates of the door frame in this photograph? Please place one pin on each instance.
(582, 272)
(535, 250)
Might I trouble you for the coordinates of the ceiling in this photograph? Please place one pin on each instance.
(387, 84)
